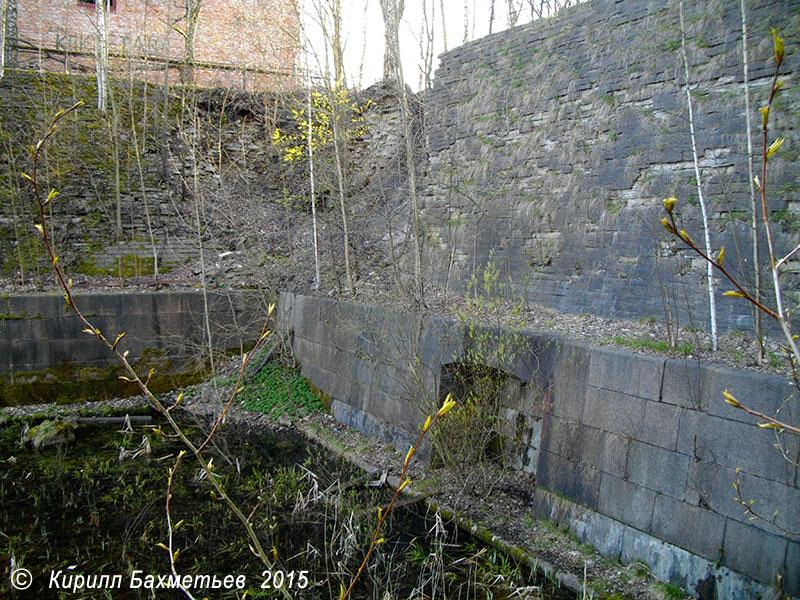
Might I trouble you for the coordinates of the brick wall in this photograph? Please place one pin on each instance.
(245, 44)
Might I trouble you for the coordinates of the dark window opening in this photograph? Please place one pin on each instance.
(112, 4)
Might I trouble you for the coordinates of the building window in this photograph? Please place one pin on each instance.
(112, 4)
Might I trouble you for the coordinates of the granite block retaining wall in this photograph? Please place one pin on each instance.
(39, 332)
(637, 454)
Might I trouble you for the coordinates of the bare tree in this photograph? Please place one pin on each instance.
(3, 21)
(363, 49)
(444, 28)
(757, 316)
(189, 35)
(101, 52)
(712, 307)
(466, 21)
(514, 10)
(310, 149)
(426, 39)
(547, 8)
(336, 43)
(392, 13)
(329, 16)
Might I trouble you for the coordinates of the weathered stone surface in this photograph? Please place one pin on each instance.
(792, 569)
(682, 384)
(660, 425)
(44, 334)
(733, 444)
(642, 479)
(607, 452)
(568, 391)
(698, 530)
(754, 551)
(657, 469)
(554, 143)
(629, 374)
(701, 386)
(576, 480)
(626, 502)
(613, 411)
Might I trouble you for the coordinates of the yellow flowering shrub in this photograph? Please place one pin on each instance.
(293, 141)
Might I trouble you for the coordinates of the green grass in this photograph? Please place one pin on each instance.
(659, 345)
(277, 390)
(775, 360)
(671, 592)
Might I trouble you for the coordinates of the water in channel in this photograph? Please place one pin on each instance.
(96, 506)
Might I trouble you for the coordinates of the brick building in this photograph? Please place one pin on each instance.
(249, 44)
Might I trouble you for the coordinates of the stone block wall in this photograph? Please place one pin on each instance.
(38, 332)
(553, 144)
(636, 454)
(240, 189)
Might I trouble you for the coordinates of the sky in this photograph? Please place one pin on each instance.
(364, 41)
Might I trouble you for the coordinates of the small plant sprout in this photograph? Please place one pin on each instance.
(383, 513)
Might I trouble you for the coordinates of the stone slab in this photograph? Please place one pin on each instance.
(753, 551)
(657, 469)
(626, 502)
(660, 425)
(579, 482)
(733, 444)
(613, 411)
(696, 529)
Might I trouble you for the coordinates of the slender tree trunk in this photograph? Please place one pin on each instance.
(466, 21)
(444, 28)
(12, 174)
(311, 179)
(408, 134)
(757, 316)
(113, 133)
(336, 110)
(363, 48)
(192, 17)
(3, 21)
(706, 230)
(775, 263)
(101, 52)
(336, 46)
(392, 14)
(142, 185)
(513, 13)
(427, 34)
(338, 151)
(199, 232)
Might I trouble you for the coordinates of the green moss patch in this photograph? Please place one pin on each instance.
(278, 390)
